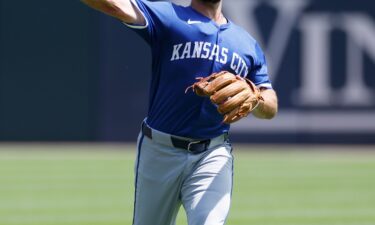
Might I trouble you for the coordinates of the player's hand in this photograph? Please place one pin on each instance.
(235, 97)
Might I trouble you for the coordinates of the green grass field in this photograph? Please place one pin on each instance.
(84, 185)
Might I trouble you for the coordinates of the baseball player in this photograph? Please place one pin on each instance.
(207, 73)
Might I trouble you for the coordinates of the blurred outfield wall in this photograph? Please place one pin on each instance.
(48, 71)
(68, 73)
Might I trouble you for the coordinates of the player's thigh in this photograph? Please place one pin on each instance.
(158, 183)
(206, 193)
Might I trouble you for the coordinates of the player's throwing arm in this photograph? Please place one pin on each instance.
(123, 10)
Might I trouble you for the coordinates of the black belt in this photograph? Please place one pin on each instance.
(194, 147)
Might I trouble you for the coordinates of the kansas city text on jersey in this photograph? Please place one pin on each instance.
(209, 51)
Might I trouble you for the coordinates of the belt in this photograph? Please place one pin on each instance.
(192, 146)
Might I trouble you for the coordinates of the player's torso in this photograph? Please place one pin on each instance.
(194, 40)
(194, 46)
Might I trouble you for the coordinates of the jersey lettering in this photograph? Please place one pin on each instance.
(187, 50)
(238, 65)
(206, 50)
(215, 53)
(224, 56)
(176, 52)
(197, 49)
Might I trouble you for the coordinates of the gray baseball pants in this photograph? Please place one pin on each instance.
(168, 177)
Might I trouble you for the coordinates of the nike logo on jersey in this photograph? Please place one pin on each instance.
(193, 21)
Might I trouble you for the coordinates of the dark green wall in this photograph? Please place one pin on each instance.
(47, 71)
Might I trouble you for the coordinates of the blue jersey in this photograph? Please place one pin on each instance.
(185, 45)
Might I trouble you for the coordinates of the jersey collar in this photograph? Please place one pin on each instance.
(207, 19)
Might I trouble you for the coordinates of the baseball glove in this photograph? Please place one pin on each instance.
(235, 96)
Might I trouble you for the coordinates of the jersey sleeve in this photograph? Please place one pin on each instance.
(259, 73)
(158, 16)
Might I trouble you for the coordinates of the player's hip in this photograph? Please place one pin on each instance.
(192, 146)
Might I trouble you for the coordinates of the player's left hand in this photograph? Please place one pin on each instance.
(236, 97)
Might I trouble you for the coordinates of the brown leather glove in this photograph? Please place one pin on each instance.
(235, 96)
